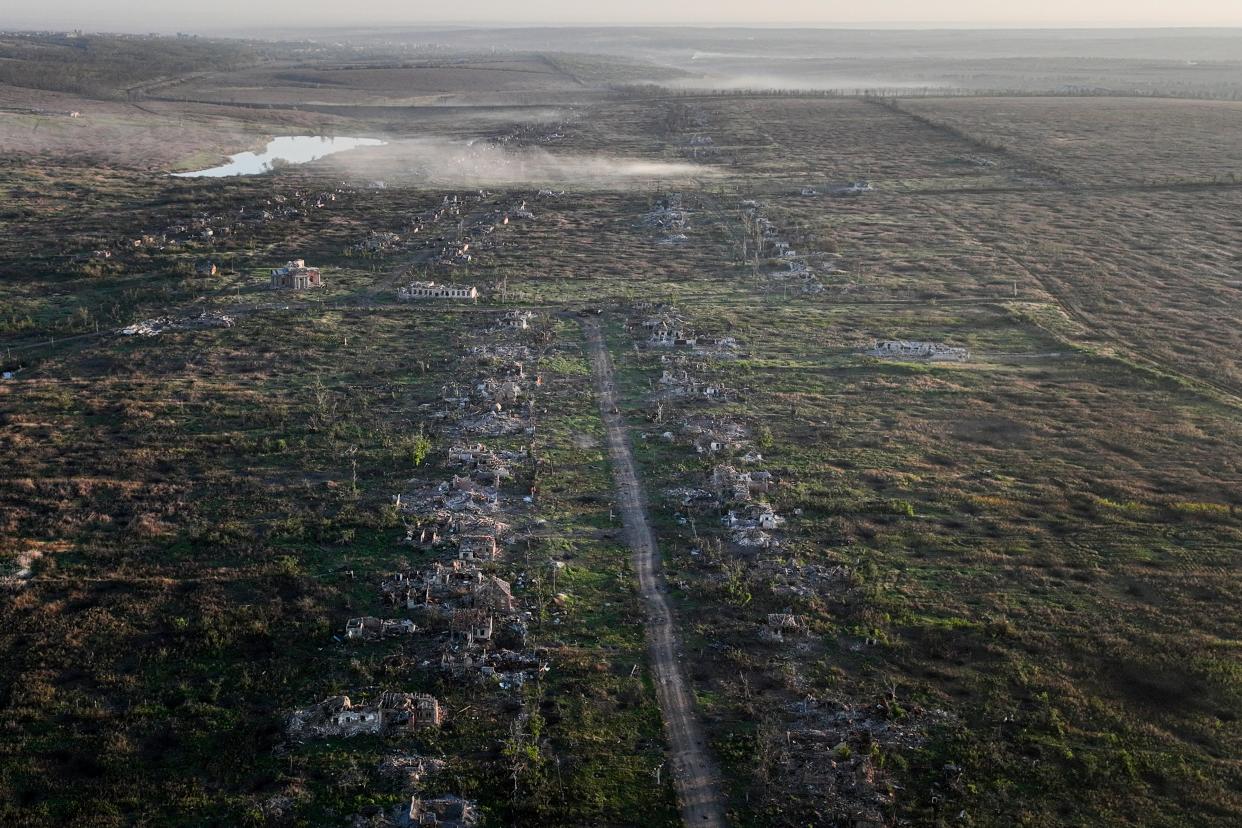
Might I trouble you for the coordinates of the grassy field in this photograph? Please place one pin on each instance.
(1109, 141)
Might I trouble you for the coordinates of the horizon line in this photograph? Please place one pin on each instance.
(921, 26)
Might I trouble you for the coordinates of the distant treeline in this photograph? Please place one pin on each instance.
(110, 67)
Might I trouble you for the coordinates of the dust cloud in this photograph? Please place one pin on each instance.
(446, 162)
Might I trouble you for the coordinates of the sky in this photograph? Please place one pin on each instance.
(171, 15)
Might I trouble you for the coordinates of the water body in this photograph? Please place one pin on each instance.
(290, 149)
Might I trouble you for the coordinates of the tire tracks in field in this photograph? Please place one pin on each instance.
(1223, 392)
(694, 772)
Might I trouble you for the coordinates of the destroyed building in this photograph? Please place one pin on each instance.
(392, 712)
(160, 324)
(368, 628)
(295, 275)
(669, 335)
(753, 516)
(495, 594)
(433, 290)
(445, 811)
(437, 584)
(739, 486)
(493, 424)
(506, 391)
(517, 319)
(781, 623)
(470, 626)
(477, 548)
(930, 351)
(507, 668)
(854, 188)
(752, 536)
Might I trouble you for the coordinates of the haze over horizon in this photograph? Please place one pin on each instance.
(145, 16)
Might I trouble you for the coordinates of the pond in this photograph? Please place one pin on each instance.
(290, 149)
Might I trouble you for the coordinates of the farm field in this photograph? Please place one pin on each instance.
(933, 404)
(1110, 141)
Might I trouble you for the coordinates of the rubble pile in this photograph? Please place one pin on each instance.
(670, 218)
(159, 324)
(376, 241)
(204, 228)
(929, 351)
(665, 328)
(392, 712)
(787, 269)
(826, 756)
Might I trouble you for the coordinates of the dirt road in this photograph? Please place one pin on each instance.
(694, 774)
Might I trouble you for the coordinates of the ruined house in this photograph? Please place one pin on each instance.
(730, 484)
(517, 319)
(756, 515)
(411, 711)
(160, 324)
(397, 589)
(669, 335)
(712, 443)
(495, 594)
(462, 494)
(727, 480)
(675, 377)
(491, 470)
(339, 717)
(506, 667)
(377, 242)
(784, 621)
(714, 434)
(477, 548)
(467, 453)
(440, 583)
(446, 811)
(423, 536)
(437, 584)
(295, 275)
(471, 626)
(369, 628)
(768, 519)
(780, 623)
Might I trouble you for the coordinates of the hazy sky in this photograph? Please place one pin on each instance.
(148, 15)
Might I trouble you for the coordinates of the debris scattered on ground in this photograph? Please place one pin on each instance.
(160, 324)
(906, 349)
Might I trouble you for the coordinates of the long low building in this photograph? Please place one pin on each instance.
(432, 290)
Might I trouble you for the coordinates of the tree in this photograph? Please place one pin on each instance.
(420, 445)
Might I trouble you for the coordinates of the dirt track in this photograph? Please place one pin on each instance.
(694, 774)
